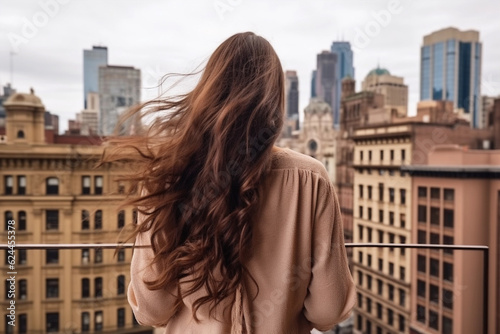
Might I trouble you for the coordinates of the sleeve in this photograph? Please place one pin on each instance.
(331, 292)
(150, 307)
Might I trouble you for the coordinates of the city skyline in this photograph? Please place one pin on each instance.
(155, 45)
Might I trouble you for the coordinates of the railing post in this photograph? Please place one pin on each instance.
(486, 257)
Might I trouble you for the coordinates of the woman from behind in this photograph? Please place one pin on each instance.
(234, 235)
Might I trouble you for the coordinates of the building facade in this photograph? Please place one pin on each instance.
(92, 60)
(393, 88)
(50, 187)
(291, 103)
(119, 89)
(455, 200)
(345, 68)
(451, 62)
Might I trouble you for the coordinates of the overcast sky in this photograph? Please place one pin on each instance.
(159, 37)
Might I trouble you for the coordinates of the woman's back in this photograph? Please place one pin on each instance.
(299, 276)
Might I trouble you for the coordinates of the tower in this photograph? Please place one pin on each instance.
(25, 119)
(92, 60)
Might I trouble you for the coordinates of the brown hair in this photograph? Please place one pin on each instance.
(200, 166)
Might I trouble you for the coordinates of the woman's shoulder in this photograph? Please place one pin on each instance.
(286, 159)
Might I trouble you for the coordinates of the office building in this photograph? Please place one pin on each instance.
(451, 70)
(291, 103)
(326, 78)
(345, 68)
(92, 60)
(392, 87)
(119, 89)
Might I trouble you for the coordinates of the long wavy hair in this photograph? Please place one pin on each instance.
(199, 166)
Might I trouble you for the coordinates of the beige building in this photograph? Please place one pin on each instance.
(50, 188)
(317, 136)
(393, 88)
(455, 200)
(88, 118)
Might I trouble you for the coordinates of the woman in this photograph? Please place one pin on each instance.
(245, 237)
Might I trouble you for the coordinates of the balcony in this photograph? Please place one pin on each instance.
(101, 305)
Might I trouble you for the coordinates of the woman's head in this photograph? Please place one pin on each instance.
(200, 167)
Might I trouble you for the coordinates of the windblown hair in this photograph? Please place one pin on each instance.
(199, 168)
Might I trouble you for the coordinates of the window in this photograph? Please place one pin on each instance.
(391, 218)
(402, 297)
(447, 240)
(121, 188)
(447, 325)
(449, 194)
(422, 214)
(434, 267)
(23, 323)
(21, 185)
(134, 217)
(380, 236)
(403, 155)
(379, 330)
(359, 297)
(448, 271)
(121, 219)
(22, 256)
(120, 317)
(85, 256)
(98, 321)
(360, 191)
(422, 192)
(448, 299)
(380, 264)
(390, 317)
(85, 220)
(360, 232)
(360, 257)
(434, 293)
(381, 155)
(52, 186)
(422, 237)
(391, 241)
(369, 262)
(369, 192)
(360, 211)
(97, 287)
(359, 323)
(85, 321)
(98, 220)
(381, 216)
(380, 287)
(402, 273)
(120, 282)
(8, 216)
(380, 192)
(23, 289)
(435, 193)
(52, 320)
(392, 154)
(85, 288)
(421, 314)
(121, 255)
(434, 238)
(98, 185)
(361, 155)
(360, 278)
(21, 221)
(391, 268)
(8, 185)
(98, 255)
(52, 256)
(434, 216)
(52, 219)
(20, 134)
(52, 288)
(86, 187)
(421, 263)
(379, 310)
(370, 155)
(369, 230)
(402, 220)
(402, 196)
(391, 172)
(402, 325)
(368, 305)
(448, 217)
(433, 320)
(391, 292)
(402, 240)
(369, 213)
(391, 195)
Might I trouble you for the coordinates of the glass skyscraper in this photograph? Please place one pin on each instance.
(451, 70)
(345, 68)
(92, 59)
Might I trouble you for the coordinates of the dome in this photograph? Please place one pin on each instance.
(22, 99)
(378, 71)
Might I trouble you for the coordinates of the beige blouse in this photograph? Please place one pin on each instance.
(298, 260)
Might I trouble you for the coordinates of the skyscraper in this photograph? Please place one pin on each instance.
(92, 59)
(451, 70)
(313, 83)
(345, 67)
(291, 102)
(119, 89)
(326, 84)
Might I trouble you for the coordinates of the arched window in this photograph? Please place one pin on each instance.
(98, 220)
(120, 283)
(52, 184)
(8, 216)
(21, 221)
(121, 219)
(85, 220)
(20, 134)
(85, 321)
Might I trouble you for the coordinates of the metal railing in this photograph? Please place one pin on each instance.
(483, 249)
